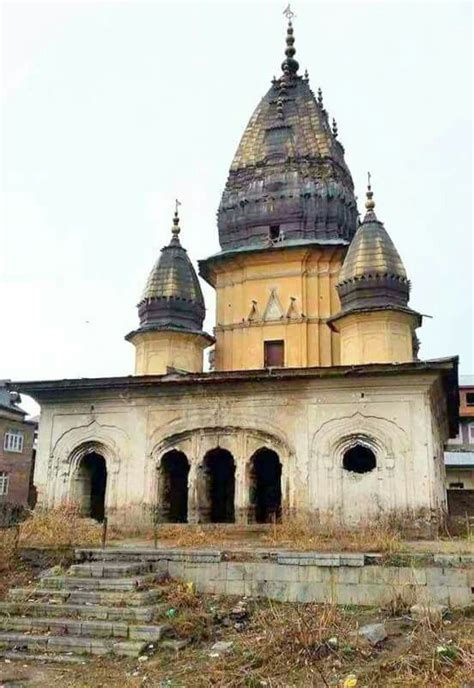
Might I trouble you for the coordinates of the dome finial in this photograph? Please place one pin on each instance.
(370, 203)
(175, 229)
(290, 65)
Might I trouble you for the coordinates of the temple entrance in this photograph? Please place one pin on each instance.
(91, 481)
(265, 486)
(174, 487)
(219, 471)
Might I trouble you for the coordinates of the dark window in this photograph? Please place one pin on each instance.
(359, 459)
(459, 486)
(470, 398)
(274, 232)
(274, 354)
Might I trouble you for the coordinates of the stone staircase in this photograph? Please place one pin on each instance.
(99, 607)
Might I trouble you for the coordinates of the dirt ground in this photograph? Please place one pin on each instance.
(277, 646)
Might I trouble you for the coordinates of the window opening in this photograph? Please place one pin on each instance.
(4, 480)
(274, 232)
(13, 440)
(359, 459)
(274, 354)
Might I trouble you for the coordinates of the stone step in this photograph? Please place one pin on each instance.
(86, 629)
(107, 584)
(110, 569)
(74, 644)
(146, 554)
(82, 611)
(18, 656)
(86, 597)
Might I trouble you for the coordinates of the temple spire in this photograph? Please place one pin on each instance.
(290, 65)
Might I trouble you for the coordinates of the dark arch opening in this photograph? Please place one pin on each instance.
(265, 485)
(174, 496)
(92, 478)
(219, 468)
(359, 459)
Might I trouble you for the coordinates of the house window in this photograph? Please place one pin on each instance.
(274, 354)
(469, 398)
(456, 486)
(13, 441)
(458, 438)
(3, 483)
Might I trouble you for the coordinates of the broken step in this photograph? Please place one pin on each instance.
(108, 584)
(109, 569)
(76, 645)
(88, 629)
(82, 611)
(86, 597)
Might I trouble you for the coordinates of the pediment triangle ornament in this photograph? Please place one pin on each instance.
(292, 311)
(254, 313)
(273, 311)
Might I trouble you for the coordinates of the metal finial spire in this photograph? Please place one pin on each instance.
(306, 75)
(370, 203)
(334, 128)
(175, 229)
(320, 98)
(288, 12)
(290, 65)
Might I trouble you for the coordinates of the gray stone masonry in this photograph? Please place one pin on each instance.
(365, 579)
(96, 608)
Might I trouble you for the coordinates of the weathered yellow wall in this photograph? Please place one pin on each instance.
(376, 337)
(156, 351)
(301, 282)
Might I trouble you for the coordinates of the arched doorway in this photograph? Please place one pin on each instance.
(265, 486)
(91, 482)
(173, 504)
(219, 473)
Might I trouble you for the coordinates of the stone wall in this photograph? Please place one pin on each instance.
(345, 578)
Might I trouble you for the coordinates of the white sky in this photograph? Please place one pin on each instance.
(111, 110)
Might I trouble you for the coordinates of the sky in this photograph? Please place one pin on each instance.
(111, 110)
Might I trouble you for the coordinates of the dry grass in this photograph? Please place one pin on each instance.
(12, 570)
(62, 526)
(303, 533)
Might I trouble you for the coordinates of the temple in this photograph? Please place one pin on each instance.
(317, 401)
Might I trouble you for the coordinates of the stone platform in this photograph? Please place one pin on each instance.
(108, 603)
(342, 578)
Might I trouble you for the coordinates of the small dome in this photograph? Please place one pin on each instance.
(172, 298)
(373, 274)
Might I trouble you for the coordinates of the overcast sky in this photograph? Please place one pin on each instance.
(111, 110)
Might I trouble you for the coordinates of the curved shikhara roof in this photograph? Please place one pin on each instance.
(288, 171)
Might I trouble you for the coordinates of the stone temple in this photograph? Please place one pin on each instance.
(317, 402)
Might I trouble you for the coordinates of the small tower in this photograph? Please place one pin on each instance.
(171, 313)
(375, 323)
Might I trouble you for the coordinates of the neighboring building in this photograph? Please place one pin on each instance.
(17, 436)
(459, 454)
(317, 402)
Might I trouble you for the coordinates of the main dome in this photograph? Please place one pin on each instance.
(288, 180)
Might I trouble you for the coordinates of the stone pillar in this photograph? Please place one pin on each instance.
(193, 503)
(241, 493)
